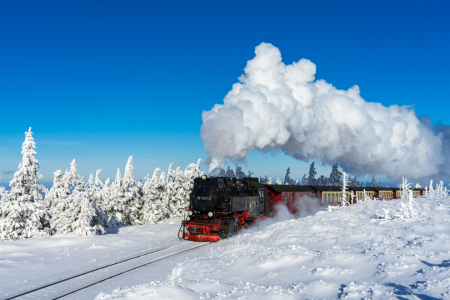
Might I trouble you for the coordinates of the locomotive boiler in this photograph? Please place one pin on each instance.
(221, 206)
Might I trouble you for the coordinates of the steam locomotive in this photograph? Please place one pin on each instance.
(220, 207)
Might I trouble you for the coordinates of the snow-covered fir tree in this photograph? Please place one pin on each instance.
(335, 176)
(304, 180)
(22, 215)
(287, 177)
(59, 190)
(312, 175)
(239, 173)
(84, 215)
(320, 181)
(154, 210)
(70, 213)
(125, 209)
(278, 181)
(97, 201)
(230, 173)
(374, 181)
(222, 173)
(250, 174)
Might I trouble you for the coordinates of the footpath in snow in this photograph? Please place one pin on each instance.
(373, 250)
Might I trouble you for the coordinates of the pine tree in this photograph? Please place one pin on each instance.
(304, 180)
(335, 176)
(374, 181)
(22, 215)
(287, 178)
(250, 174)
(312, 174)
(154, 210)
(85, 215)
(239, 173)
(59, 189)
(97, 201)
(126, 209)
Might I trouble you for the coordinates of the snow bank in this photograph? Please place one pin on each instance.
(374, 250)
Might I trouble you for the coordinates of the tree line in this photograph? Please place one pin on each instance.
(73, 205)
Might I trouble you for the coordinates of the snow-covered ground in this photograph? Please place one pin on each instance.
(373, 250)
(30, 263)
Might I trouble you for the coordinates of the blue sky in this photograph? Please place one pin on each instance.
(99, 81)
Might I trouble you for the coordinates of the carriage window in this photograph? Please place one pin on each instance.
(261, 193)
(285, 199)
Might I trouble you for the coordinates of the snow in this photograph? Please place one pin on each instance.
(372, 250)
(351, 253)
(35, 262)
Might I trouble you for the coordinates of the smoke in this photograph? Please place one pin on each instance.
(282, 107)
(303, 206)
(307, 206)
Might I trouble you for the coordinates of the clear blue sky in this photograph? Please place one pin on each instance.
(101, 80)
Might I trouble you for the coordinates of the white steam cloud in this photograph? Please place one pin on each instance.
(281, 107)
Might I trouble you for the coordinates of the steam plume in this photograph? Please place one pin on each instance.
(281, 107)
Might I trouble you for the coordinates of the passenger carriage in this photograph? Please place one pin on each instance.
(328, 195)
(288, 195)
(385, 193)
(358, 193)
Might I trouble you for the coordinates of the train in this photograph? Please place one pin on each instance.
(220, 207)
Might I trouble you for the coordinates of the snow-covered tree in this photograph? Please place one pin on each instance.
(239, 173)
(287, 177)
(344, 190)
(230, 173)
(312, 174)
(250, 174)
(97, 201)
(335, 176)
(374, 181)
(59, 190)
(278, 181)
(405, 189)
(77, 212)
(320, 181)
(22, 215)
(154, 210)
(304, 180)
(222, 173)
(126, 203)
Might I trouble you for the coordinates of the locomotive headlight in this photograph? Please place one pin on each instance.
(190, 213)
(210, 214)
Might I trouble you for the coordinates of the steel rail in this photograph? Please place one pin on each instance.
(140, 266)
(91, 271)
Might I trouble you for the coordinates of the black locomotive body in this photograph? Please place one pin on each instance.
(220, 207)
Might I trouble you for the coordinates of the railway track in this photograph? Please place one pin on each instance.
(70, 285)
